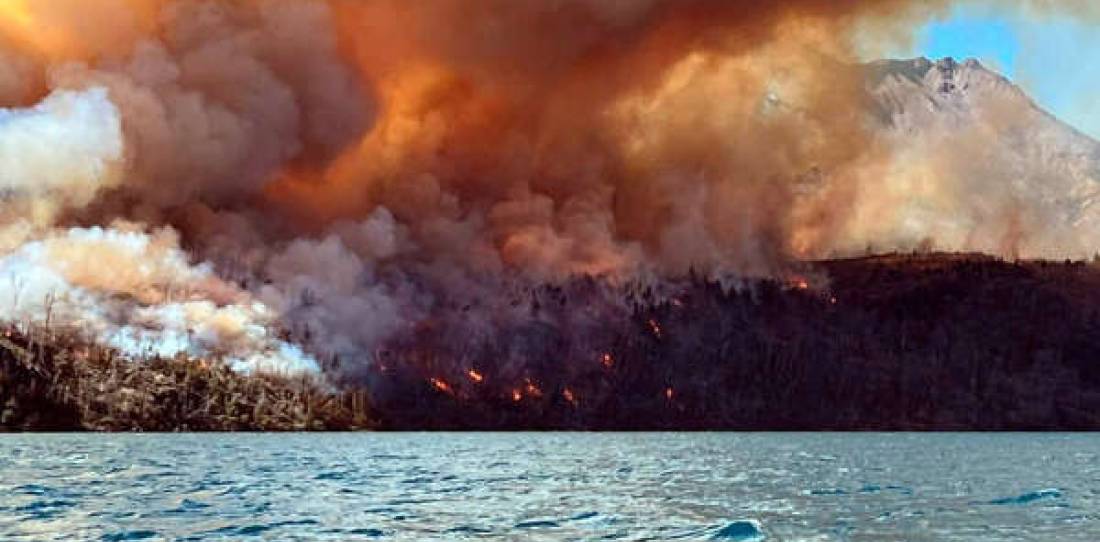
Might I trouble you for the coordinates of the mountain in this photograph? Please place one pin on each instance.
(978, 165)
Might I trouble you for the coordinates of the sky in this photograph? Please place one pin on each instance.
(1052, 57)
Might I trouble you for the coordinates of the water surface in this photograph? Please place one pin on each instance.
(559, 486)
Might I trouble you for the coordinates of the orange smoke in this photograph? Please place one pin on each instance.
(579, 136)
(68, 30)
(589, 137)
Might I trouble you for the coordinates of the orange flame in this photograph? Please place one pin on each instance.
(568, 395)
(655, 327)
(475, 376)
(607, 360)
(669, 393)
(442, 386)
(532, 389)
(517, 395)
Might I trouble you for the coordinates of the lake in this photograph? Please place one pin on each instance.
(551, 486)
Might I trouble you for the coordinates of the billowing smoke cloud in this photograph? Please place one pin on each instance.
(137, 292)
(232, 178)
(63, 150)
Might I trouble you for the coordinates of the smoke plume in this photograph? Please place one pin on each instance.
(297, 183)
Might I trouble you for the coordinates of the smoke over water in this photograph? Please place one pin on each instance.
(293, 184)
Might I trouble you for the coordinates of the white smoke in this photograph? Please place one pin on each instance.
(137, 292)
(64, 150)
(127, 288)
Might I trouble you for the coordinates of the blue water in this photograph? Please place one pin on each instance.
(770, 487)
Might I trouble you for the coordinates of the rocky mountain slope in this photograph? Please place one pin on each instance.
(978, 165)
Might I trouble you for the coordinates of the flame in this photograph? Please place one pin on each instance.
(798, 283)
(517, 395)
(607, 360)
(442, 386)
(568, 395)
(669, 393)
(532, 389)
(655, 327)
(475, 376)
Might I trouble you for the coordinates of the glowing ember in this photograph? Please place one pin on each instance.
(655, 328)
(607, 361)
(532, 389)
(568, 395)
(669, 393)
(517, 395)
(442, 386)
(475, 376)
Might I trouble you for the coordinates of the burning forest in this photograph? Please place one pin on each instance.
(532, 214)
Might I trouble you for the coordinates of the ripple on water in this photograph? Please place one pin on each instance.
(261, 528)
(746, 530)
(692, 487)
(129, 535)
(187, 506)
(34, 489)
(468, 530)
(538, 524)
(372, 533)
(1029, 497)
(827, 492)
(45, 508)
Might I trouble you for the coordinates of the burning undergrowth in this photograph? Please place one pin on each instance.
(934, 341)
